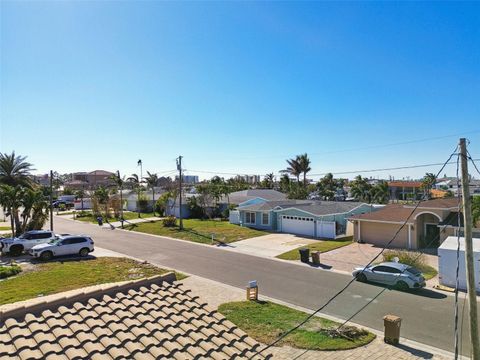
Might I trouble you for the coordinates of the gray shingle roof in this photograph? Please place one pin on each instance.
(238, 197)
(314, 207)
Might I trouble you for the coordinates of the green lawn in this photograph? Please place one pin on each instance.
(200, 230)
(127, 215)
(320, 245)
(55, 277)
(266, 321)
(4, 227)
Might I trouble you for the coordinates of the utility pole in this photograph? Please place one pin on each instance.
(51, 200)
(179, 168)
(469, 265)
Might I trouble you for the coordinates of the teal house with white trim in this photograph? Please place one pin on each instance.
(312, 218)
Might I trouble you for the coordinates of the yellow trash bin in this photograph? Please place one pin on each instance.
(392, 329)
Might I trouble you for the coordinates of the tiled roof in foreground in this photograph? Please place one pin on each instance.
(146, 319)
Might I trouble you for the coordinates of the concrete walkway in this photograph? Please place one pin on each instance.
(269, 245)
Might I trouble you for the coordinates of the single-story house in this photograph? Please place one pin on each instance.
(319, 219)
(428, 226)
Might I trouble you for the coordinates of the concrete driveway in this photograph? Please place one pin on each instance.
(269, 245)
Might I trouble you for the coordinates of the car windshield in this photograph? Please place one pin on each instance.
(414, 271)
(54, 241)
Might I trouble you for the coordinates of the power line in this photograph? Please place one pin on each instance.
(338, 293)
(407, 142)
(341, 172)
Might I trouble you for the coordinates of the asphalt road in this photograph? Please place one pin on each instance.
(427, 315)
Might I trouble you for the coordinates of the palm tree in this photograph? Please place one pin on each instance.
(304, 163)
(10, 200)
(428, 181)
(136, 183)
(152, 181)
(35, 209)
(294, 168)
(119, 181)
(380, 193)
(361, 189)
(14, 170)
(269, 180)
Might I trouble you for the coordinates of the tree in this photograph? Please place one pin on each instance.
(102, 196)
(427, 183)
(10, 200)
(35, 210)
(475, 210)
(136, 184)
(119, 182)
(14, 170)
(268, 181)
(294, 168)
(304, 163)
(361, 189)
(379, 193)
(284, 183)
(328, 186)
(152, 181)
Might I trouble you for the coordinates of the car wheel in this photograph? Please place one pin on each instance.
(84, 252)
(402, 286)
(361, 277)
(46, 255)
(16, 250)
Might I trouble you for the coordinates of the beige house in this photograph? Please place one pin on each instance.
(427, 226)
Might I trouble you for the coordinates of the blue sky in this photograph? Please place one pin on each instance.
(238, 86)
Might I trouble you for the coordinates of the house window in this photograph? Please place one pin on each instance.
(265, 219)
(250, 218)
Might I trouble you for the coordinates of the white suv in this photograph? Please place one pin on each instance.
(15, 246)
(64, 245)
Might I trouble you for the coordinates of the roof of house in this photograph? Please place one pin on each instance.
(311, 206)
(444, 203)
(436, 193)
(400, 212)
(400, 183)
(100, 173)
(390, 213)
(144, 319)
(238, 197)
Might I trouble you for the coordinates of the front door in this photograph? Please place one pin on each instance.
(432, 236)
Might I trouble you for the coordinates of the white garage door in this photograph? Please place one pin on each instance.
(326, 229)
(298, 225)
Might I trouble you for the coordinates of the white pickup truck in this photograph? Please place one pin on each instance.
(15, 246)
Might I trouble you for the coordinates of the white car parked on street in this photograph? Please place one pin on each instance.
(15, 246)
(65, 245)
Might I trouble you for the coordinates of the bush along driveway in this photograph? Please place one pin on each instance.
(199, 231)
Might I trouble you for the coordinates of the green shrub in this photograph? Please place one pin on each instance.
(412, 258)
(169, 221)
(9, 270)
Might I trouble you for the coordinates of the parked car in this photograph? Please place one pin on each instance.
(401, 276)
(15, 246)
(65, 245)
(58, 203)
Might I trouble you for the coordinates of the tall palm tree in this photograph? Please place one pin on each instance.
(270, 180)
(304, 163)
(294, 168)
(152, 181)
(14, 170)
(35, 209)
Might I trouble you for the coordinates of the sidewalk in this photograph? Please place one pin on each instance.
(215, 294)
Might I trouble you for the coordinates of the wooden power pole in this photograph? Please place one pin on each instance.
(51, 200)
(179, 168)
(469, 265)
